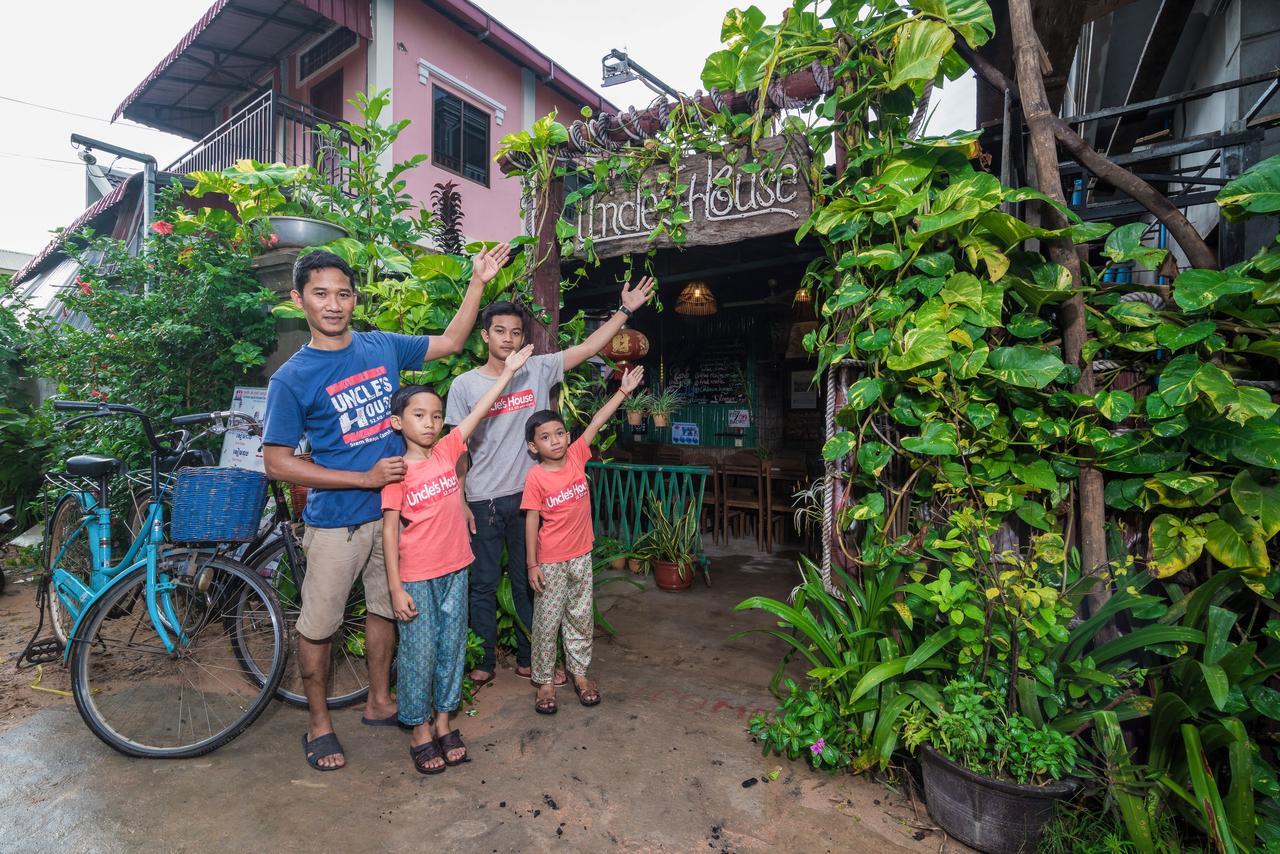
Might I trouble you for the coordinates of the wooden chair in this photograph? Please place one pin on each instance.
(743, 489)
(711, 497)
(784, 477)
(668, 455)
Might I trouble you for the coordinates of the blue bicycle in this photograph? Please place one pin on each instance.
(160, 644)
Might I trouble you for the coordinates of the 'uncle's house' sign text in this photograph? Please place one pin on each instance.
(724, 202)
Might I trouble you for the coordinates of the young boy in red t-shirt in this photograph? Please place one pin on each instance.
(426, 548)
(558, 540)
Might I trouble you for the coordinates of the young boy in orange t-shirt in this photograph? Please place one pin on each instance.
(558, 541)
(426, 548)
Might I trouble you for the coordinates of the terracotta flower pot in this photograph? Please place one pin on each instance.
(661, 419)
(618, 564)
(636, 418)
(667, 576)
(635, 565)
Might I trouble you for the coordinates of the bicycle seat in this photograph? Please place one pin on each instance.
(92, 465)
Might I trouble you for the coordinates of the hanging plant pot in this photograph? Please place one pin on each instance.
(662, 419)
(297, 232)
(667, 576)
(991, 815)
(636, 418)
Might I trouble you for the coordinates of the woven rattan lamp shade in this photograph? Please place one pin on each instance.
(696, 299)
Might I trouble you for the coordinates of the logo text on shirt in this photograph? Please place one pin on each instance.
(516, 400)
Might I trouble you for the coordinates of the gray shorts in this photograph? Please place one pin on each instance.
(335, 558)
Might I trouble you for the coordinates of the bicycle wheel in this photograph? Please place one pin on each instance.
(144, 701)
(348, 671)
(66, 531)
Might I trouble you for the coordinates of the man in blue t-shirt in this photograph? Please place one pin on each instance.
(336, 391)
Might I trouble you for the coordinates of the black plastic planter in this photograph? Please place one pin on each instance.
(990, 815)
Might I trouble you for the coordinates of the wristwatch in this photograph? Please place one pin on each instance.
(622, 308)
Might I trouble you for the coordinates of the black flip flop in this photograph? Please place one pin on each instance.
(480, 683)
(328, 743)
(453, 741)
(424, 753)
(394, 720)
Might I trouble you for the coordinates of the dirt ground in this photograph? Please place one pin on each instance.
(663, 764)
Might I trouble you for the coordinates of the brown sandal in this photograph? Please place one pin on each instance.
(424, 753)
(589, 696)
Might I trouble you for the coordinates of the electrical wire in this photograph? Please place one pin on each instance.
(55, 109)
(37, 157)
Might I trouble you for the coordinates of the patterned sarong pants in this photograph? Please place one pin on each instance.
(563, 606)
(433, 648)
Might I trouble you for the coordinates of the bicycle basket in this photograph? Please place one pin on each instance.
(219, 505)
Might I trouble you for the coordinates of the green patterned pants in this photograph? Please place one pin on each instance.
(565, 606)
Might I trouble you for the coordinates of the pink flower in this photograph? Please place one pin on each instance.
(817, 747)
(98, 394)
(162, 227)
(85, 287)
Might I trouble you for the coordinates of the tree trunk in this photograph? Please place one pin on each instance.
(1071, 315)
(546, 270)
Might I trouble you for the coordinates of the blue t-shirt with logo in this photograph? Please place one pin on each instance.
(341, 401)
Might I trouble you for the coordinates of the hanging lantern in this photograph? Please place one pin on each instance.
(696, 299)
(803, 295)
(627, 347)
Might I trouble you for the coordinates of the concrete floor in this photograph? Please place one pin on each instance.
(660, 765)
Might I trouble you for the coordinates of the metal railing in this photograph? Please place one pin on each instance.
(620, 494)
(272, 128)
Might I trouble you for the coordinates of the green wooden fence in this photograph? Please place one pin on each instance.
(620, 492)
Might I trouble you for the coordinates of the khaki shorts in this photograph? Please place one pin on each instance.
(335, 558)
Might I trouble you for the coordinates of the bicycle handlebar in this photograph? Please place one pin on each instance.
(230, 419)
(108, 410)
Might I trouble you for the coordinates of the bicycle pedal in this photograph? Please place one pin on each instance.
(41, 652)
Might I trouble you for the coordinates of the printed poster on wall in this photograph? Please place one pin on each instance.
(739, 419)
(804, 394)
(684, 433)
(239, 449)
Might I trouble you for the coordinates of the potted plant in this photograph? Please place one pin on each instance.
(661, 406)
(636, 406)
(269, 203)
(670, 544)
(610, 550)
(992, 779)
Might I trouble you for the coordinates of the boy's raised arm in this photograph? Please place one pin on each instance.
(483, 269)
(633, 297)
(631, 380)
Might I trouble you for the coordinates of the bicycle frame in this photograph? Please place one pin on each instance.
(77, 598)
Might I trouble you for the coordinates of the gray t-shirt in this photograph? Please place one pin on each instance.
(499, 455)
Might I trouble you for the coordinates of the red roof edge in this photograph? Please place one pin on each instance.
(185, 42)
(89, 214)
(471, 17)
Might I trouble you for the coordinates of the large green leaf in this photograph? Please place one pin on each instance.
(1177, 380)
(1256, 443)
(1125, 244)
(1038, 474)
(1175, 545)
(839, 445)
(970, 18)
(921, 46)
(720, 71)
(1198, 288)
(1114, 405)
(865, 392)
(1236, 541)
(1258, 501)
(1145, 637)
(1239, 403)
(936, 438)
(1217, 636)
(1215, 678)
(1177, 337)
(1023, 366)
(1134, 313)
(920, 346)
(1257, 191)
(1206, 789)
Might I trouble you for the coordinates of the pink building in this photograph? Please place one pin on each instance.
(253, 77)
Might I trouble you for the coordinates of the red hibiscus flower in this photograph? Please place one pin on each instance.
(85, 287)
(162, 227)
(98, 394)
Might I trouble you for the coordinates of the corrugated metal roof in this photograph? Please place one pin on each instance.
(233, 45)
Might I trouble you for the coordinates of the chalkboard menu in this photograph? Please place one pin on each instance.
(712, 371)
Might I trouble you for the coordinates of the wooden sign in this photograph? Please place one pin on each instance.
(725, 202)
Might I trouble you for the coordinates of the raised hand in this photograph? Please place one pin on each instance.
(632, 378)
(517, 359)
(487, 264)
(635, 296)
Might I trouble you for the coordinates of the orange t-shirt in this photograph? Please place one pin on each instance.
(563, 502)
(433, 530)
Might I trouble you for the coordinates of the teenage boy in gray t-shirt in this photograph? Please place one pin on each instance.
(499, 461)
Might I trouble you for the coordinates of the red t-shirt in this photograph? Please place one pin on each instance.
(435, 540)
(563, 502)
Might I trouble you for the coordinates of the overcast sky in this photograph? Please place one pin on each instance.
(79, 57)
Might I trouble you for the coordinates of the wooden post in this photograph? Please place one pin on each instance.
(546, 270)
(1027, 55)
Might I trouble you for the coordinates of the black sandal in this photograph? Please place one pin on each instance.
(424, 753)
(322, 747)
(453, 741)
(589, 696)
(545, 705)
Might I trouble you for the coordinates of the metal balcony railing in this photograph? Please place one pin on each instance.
(272, 128)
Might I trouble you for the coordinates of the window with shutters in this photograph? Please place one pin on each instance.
(460, 134)
(326, 51)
